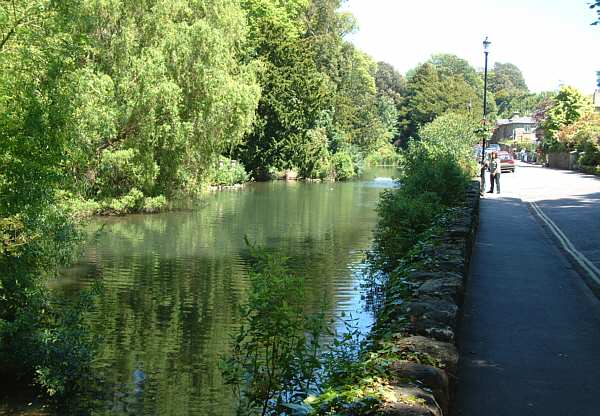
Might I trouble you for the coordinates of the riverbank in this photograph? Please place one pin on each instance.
(185, 273)
(411, 367)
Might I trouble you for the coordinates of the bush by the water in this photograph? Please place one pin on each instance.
(402, 217)
(386, 155)
(344, 164)
(274, 360)
(435, 171)
(228, 172)
(40, 340)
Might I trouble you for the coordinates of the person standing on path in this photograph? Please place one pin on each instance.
(495, 170)
(484, 165)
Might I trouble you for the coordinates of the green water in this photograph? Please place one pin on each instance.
(174, 283)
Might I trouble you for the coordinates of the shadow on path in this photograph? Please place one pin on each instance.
(530, 335)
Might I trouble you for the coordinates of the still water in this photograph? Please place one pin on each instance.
(174, 283)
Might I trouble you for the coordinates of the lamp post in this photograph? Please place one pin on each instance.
(486, 47)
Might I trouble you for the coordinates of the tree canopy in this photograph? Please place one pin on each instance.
(444, 83)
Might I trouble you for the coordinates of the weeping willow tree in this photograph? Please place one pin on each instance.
(103, 98)
(161, 92)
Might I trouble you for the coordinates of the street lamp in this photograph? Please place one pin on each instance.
(486, 51)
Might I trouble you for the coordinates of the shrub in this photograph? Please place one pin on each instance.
(129, 203)
(274, 358)
(313, 157)
(77, 207)
(343, 165)
(386, 155)
(347, 163)
(39, 339)
(591, 153)
(402, 217)
(228, 172)
(435, 172)
(154, 204)
(119, 171)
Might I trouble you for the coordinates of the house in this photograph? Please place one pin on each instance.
(515, 128)
(596, 100)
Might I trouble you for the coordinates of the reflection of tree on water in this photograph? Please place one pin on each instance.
(174, 283)
(127, 397)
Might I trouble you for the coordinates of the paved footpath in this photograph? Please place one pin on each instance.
(530, 335)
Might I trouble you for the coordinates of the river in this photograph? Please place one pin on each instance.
(174, 282)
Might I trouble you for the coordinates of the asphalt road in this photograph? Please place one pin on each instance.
(569, 199)
(530, 335)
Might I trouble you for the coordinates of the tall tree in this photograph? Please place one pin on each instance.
(566, 108)
(431, 93)
(449, 65)
(507, 76)
(37, 61)
(391, 91)
(390, 83)
(509, 87)
(172, 90)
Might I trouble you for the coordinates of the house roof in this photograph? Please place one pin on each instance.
(515, 120)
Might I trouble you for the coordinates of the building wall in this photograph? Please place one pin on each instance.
(507, 131)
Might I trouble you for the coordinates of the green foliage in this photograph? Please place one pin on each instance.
(567, 107)
(390, 83)
(172, 99)
(120, 171)
(584, 136)
(591, 154)
(449, 65)
(39, 340)
(154, 204)
(402, 217)
(507, 77)
(442, 160)
(386, 155)
(435, 171)
(228, 172)
(296, 97)
(131, 202)
(274, 358)
(446, 83)
(66, 349)
(346, 163)
(510, 91)
(522, 103)
(319, 91)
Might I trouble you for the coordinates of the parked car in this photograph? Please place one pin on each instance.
(507, 163)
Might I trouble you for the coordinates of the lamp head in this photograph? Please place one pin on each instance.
(486, 44)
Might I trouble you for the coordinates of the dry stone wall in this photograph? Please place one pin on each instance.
(423, 383)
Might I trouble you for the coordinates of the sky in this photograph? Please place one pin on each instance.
(551, 41)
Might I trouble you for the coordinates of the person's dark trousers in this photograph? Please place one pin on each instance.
(494, 178)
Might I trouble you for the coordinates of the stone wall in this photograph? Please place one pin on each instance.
(562, 160)
(410, 369)
(438, 282)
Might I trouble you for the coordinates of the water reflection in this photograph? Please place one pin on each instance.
(174, 283)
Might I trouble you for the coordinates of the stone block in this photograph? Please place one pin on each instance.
(425, 375)
(449, 287)
(411, 401)
(444, 353)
